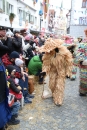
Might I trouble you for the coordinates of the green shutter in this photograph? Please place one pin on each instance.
(7, 8)
(3, 5)
(24, 15)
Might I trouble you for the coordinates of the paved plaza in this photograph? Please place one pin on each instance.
(44, 115)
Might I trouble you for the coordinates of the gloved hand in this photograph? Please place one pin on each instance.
(43, 73)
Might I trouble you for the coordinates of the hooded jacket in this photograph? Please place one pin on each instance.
(34, 65)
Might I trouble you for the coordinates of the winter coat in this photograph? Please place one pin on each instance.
(3, 82)
(34, 65)
(17, 43)
(6, 60)
(2, 86)
(13, 86)
(14, 44)
(3, 49)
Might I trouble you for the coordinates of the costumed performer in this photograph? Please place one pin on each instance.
(57, 63)
(82, 61)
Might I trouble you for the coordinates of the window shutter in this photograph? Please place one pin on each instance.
(3, 5)
(33, 19)
(24, 15)
(7, 8)
(29, 18)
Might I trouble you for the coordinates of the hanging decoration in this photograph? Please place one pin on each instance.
(34, 2)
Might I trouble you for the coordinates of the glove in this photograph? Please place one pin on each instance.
(43, 73)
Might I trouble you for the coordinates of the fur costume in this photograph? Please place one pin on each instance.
(57, 63)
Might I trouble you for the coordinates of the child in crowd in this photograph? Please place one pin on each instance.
(16, 90)
(23, 82)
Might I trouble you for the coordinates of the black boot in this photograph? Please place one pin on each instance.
(3, 128)
(81, 94)
(15, 116)
(13, 121)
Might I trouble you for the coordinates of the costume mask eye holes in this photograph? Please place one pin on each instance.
(56, 50)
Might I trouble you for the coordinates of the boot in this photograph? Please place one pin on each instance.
(81, 94)
(15, 116)
(3, 128)
(30, 96)
(27, 101)
(13, 121)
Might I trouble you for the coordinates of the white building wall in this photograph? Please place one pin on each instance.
(76, 29)
(34, 10)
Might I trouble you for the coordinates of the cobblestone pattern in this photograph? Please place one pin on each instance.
(44, 115)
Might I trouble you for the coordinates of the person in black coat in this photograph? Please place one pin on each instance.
(14, 43)
(3, 49)
(17, 42)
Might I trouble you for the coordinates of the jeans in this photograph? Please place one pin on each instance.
(24, 84)
(15, 108)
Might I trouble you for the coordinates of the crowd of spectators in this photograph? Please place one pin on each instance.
(18, 52)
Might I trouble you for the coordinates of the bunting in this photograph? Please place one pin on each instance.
(46, 3)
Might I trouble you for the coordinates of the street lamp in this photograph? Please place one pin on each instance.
(40, 14)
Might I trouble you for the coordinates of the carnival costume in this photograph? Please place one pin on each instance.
(82, 62)
(57, 63)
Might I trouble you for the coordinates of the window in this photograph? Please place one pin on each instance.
(83, 20)
(24, 15)
(20, 13)
(84, 3)
(28, 16)
(9, 8)
(31, 19)
(1, 4)
(35, 21)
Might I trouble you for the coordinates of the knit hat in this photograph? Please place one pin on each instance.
(14, 55)
(16, 31)
(18, 61)
(10, 68)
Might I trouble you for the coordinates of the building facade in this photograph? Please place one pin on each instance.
(78, 20)
(26, 13)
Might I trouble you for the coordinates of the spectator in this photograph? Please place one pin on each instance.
(23, 82)
(5, 113)
(35, 67)
(17, 42)
(13, 56)
(9, 59)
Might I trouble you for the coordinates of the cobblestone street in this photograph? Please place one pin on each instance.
(44, 115)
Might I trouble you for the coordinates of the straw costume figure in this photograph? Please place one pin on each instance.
(57, 63)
